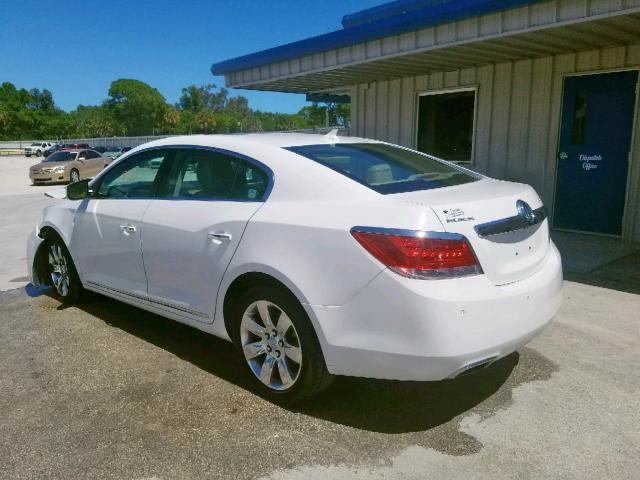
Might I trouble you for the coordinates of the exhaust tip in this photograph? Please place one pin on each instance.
(474, 367)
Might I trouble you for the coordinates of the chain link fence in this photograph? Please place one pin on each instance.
(17, 147)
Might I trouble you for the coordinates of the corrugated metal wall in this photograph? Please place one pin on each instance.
(517, 117)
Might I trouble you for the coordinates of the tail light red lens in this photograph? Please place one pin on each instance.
(420, 254)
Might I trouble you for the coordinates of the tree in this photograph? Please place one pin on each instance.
(137, 107)
(204, 97)
(328, 114)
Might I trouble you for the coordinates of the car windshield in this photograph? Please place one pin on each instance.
(61, 157)
(385, 168)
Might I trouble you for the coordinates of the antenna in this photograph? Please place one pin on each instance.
(332, 136)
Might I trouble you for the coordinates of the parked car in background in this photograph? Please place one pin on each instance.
(37, 148)
(76, 145)
(100, 149)
(68, 165)
(115, 152)
(316, 255)
(53, 148)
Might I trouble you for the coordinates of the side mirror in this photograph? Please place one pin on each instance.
(78, 190)
(81, 159)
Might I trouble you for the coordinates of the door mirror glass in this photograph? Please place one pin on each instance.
(78, 190)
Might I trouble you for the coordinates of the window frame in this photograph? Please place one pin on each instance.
(444, 91)
(95, 185)
(164, 171)
(459, 166)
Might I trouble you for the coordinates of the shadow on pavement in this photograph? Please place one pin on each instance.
(622, 275)
(374, 405)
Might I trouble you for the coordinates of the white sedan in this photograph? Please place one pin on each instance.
(316, 255)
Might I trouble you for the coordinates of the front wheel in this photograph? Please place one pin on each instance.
(62, 272)
(74, 175)
(278, 344)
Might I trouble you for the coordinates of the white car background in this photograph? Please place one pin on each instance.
(316, 255)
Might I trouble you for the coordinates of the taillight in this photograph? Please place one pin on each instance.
(420, 254)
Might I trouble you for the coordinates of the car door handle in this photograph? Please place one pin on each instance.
(220, 235)
(127, 229)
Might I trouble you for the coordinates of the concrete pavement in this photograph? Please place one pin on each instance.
(21, 205)
(105, 390)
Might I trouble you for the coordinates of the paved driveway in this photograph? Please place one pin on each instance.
(106, 390)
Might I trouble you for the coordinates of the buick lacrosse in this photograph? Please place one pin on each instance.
(315, 255)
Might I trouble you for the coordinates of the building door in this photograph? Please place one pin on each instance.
(593, 154)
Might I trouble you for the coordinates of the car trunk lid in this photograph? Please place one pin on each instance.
(509, 246)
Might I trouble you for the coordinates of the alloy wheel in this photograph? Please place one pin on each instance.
(75, 176)
(59, 269)
(271, 345)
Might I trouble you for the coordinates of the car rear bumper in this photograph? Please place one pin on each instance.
(406, 329)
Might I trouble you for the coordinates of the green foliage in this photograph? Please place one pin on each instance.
(135, 108)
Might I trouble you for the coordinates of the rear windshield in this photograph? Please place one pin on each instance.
(384, 168)
(61, 157)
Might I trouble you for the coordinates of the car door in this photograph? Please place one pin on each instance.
(190, 235)
(106, 237)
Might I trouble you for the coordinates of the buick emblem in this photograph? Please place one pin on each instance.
(526, 212)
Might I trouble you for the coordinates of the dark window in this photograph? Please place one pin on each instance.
(385, 168)
(207, 174)
(136, 177)
(445, 125)
(61, 157)
(579, 117)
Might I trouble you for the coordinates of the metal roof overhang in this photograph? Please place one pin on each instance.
(610, 29)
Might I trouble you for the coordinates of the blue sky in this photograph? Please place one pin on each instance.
(75, 48)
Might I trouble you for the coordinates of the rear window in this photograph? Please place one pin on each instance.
(384, 168)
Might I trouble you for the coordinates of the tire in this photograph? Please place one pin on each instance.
(290, 362)
(62, 272)
(27, 155)
(38, 153)
(74, 176)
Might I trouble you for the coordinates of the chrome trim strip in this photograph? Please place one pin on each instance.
(151, 300)
(408, 233)
(510, 224)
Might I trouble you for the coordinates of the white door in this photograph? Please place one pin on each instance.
(190, 235)
(106, 237)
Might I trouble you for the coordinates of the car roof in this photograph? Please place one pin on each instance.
(282, 140)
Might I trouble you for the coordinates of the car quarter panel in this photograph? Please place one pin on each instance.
(310, 244)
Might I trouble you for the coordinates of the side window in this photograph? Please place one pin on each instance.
(90, 154)
(251, 182)
(137, 177)
(206, 174)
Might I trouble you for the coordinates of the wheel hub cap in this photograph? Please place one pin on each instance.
(271, 345)
(59, 270)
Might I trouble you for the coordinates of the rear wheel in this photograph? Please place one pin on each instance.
(74, 175)
(62, 272)
(278, 344)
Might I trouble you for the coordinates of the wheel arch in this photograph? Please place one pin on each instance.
(244, 279)
(47, 231)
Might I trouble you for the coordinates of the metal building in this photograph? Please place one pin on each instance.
(543, 92)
